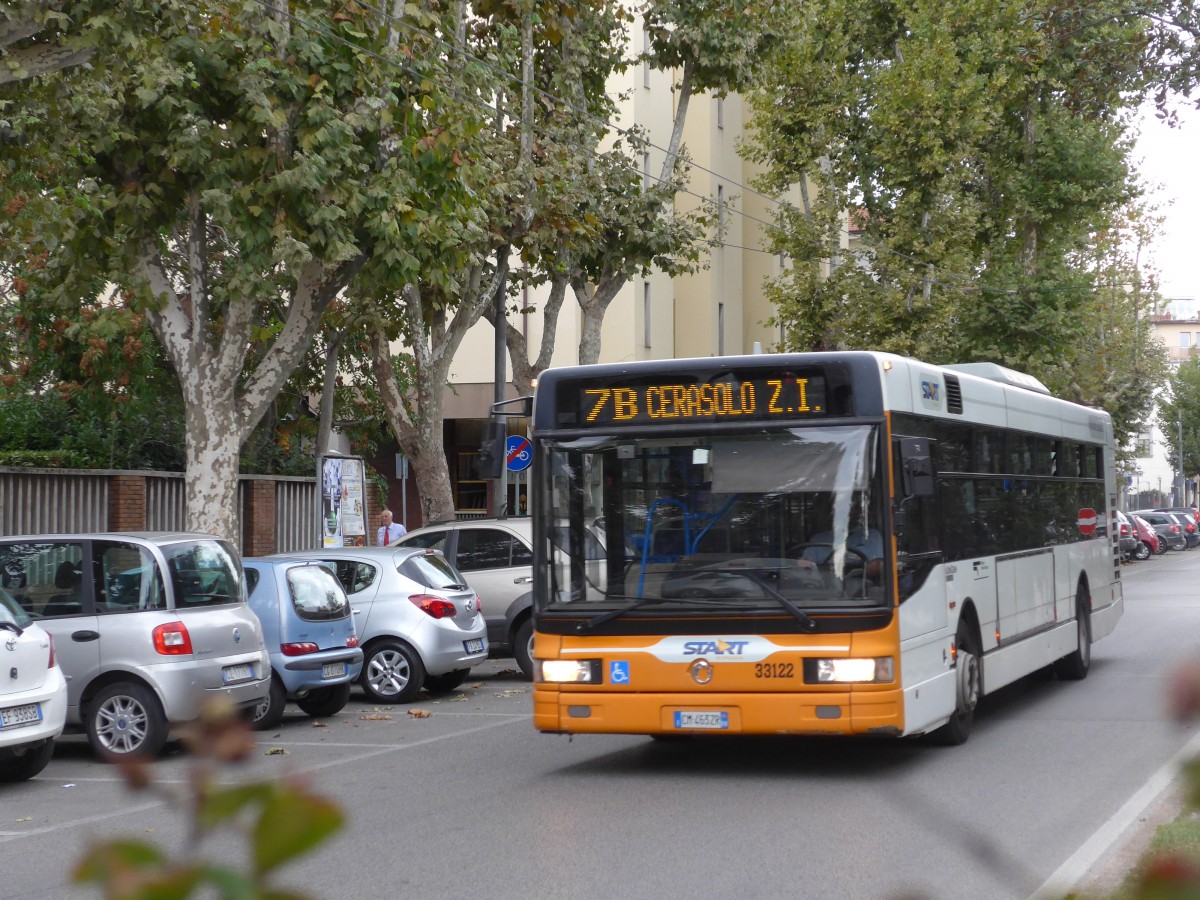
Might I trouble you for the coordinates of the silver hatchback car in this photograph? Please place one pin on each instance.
(418, 622)
(146, 626)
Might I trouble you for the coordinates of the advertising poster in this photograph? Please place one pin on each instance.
(343, 502)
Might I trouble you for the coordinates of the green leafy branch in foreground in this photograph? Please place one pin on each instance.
(279, 819)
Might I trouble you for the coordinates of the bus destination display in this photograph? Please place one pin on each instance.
(781, 395)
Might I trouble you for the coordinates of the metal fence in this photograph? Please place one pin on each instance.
(43, 501)
(58, 501)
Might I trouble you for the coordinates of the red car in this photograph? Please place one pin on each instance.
(1149, 540)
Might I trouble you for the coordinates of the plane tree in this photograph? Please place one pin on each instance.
(982, 152)
(230, 170)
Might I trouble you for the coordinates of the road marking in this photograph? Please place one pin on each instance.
(1070, 876)
(6, 836)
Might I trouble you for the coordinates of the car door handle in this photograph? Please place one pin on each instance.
(83, 636)
(524, 579)
(357, 612)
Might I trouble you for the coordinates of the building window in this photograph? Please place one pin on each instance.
(720, 212)
(1185, 339)
(645, 314)
(646, 170)
(720, 329)
(646, 57)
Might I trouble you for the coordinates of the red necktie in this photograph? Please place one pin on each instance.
(387, 534)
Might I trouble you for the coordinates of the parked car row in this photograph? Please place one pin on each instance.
(123, 636)
(1147, 532)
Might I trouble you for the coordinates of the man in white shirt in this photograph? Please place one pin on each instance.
(389, 531)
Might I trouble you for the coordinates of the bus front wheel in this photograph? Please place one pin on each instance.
(967, 687)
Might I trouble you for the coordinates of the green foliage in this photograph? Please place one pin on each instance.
(981, 149)
(279, 821)
(1179, 409)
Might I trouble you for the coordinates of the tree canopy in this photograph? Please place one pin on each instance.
(983, 153)
(230, 169)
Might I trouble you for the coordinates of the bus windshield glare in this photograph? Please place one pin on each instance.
(740, 524)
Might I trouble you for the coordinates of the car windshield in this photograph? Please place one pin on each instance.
(204, 573)
(316, 593)
(433, 571)
(735, 522)
(11, 611)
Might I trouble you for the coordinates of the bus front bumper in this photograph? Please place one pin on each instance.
(573, 711)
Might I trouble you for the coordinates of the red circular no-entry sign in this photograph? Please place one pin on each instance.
(1087, 520)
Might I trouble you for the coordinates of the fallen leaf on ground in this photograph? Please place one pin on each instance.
(511, 693)
(420, 713)
(375, 717)
(26, 819)
(276, 751)
(319, 725)
(459, 698)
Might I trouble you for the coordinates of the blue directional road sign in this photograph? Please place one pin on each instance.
(518, 453)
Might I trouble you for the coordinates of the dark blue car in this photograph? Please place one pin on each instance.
(309, 633)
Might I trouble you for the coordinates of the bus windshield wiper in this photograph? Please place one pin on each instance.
(807, 621)
(603, 617)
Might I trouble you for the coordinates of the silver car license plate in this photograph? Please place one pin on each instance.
(16, 716)
(234, 674)
(698, 719)
(475, 645)
(333, 670)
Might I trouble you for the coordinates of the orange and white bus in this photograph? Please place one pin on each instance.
(825, 543)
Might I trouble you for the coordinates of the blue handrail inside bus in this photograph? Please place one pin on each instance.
(690, 544)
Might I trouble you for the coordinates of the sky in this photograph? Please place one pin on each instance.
(1170, 158)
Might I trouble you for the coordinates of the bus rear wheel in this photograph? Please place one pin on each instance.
(1075, 665)
(968, 681)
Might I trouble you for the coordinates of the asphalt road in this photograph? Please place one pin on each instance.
(472, 802)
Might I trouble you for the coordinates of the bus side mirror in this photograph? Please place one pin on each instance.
(491, 451)
(916, 467)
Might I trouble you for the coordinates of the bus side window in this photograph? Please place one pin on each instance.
(916, 536)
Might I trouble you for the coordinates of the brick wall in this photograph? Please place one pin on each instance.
(127, 503)
(258, 516)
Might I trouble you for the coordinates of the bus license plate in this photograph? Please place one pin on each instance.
(233, 674)
(474, 646)
(15, 716)
(695, 719)
(333, 670)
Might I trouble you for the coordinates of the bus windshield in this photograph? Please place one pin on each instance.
(740, 523)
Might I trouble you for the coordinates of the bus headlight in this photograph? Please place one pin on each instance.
(878, 670)
(585, 671)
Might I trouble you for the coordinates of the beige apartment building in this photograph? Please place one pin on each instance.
(719, 311)
(1156, 480)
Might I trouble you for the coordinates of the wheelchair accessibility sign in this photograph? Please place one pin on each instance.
(618, 671)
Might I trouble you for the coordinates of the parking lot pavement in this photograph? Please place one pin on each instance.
(76, 789)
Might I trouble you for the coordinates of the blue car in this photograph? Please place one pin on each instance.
(309, 632)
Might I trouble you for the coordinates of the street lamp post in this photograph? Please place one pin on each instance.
(1182, 489)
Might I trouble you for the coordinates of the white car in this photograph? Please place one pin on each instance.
(33, 694)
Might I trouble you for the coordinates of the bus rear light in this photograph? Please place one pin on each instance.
(877, 670)
(567, 671)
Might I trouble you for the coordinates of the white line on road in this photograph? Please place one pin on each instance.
(1070, 875)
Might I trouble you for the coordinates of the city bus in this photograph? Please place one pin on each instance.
(849, 543)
